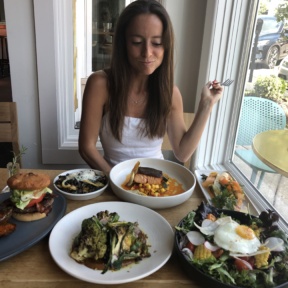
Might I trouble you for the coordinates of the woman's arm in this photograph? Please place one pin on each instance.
(95, 98)
(184, 142)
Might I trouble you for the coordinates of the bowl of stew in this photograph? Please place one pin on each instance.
(177, 184)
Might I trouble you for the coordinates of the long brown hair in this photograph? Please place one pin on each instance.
(160, 83)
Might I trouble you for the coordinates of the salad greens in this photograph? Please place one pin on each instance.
(224, 267)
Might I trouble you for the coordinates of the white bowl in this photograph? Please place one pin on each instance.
(118, 175)
(85, 196)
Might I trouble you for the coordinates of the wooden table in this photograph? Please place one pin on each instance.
(35, 268)
(272, 148)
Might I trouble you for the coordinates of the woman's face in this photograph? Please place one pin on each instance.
(144, 43)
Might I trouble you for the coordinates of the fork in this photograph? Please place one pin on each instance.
(227, 82)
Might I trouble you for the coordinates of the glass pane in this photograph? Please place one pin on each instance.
(104, 17)
(265, 108)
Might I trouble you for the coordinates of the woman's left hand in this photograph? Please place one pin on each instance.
(212, 92)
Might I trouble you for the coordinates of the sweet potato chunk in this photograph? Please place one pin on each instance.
(7, 228)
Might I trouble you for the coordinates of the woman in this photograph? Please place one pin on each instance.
(132, 104)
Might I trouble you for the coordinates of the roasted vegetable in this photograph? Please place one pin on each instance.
(6, 210)
(7, 228)
(91, 242)
(128, 242)
(86, 244)
(103, 237)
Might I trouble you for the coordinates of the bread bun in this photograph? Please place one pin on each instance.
(28, 181)
(28, 217)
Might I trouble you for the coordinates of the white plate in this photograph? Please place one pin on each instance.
(247, 204)
(159, 232)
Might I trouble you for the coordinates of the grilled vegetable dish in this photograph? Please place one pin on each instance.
(106, 243)
(148, 181)
(240, 250)
(81, 182)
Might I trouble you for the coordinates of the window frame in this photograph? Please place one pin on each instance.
(228, 48)
(227, 41)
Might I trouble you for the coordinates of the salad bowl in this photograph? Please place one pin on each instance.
(228, 272)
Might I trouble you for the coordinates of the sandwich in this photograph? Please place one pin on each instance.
(31, 197)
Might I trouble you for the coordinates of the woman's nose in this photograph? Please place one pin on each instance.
(146, 50)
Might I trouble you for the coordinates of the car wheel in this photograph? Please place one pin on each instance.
(272, 57)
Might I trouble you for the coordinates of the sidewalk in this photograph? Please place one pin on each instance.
(274, 191)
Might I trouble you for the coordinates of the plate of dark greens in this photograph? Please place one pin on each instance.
(228, 248)
(81, 184)
(111, 242)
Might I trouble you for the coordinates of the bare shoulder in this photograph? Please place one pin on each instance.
(96, 86)
(98, 78)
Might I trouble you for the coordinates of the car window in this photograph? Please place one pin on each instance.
(270, 26)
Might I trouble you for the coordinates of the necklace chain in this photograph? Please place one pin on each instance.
(137, 102)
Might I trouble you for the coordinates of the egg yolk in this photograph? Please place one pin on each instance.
(245, 232)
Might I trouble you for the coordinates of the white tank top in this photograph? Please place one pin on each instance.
(134, 145)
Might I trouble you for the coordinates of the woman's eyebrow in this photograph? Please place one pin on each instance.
(140, 36)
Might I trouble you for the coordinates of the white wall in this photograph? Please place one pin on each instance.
(188, 20)
(23, 67)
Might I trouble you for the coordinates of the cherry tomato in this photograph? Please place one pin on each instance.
(240, 265)
(218, 253)
(190, 246)
(35, 201)
(250, 260)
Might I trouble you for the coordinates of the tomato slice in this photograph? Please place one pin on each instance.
(190, 246)
(242, 264)
(35, 201)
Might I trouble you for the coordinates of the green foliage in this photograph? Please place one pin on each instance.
(249, 92)
(263, 7)
(281, 12)
(12, 167)
(17, 157)
(270, 87)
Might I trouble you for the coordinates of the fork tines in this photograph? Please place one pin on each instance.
(227, 82)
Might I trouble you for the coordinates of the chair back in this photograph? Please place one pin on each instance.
(259, 115)
(9, 125)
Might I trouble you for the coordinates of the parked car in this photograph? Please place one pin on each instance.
(283, 69)
(272, 44)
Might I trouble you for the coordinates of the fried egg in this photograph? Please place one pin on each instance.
(237, 238)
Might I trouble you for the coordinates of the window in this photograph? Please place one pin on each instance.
(229, 49)
(94, 24)
(263, 108)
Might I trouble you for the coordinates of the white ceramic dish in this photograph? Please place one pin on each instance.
(184, 176)
(159, 232)
(86, 196)
(247, 204)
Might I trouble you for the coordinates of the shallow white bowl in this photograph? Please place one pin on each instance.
(184, 176)
(86, 196)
